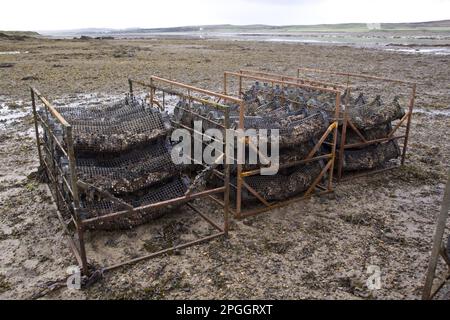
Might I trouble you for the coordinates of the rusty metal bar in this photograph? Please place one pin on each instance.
(437, 241)
(355, 75)
(226, 195)
(221, 203)
(347, 122)
(80, 250)
(201, 214)
(130, 84)
(342, 147)
(215, 104)
(408, 126)
(439, 286)
(195, 131)
(319, 177)
(239, 166)
(257, 211)
(86, 186)
(355, 129)
(398, 125)
(203, 118)
(362, 144)
(240, 174)
(159, 253)
(157, 205)
(322, 139)
(335, 137)
(368, 172)
(255, 193)
(281, 82)
(240, 87)
(50, 131)
(69, 188)
(70, 240)
(288, 164)
(298, 79)
(225, 83)
(76, 198)
(52, 109)
(185, 86)
(36, 127)
(344, 132)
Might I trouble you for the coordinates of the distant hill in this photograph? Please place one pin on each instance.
(350, 27)
(18, 35)
(443, 25)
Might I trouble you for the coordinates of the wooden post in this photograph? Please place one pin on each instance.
(437, 243)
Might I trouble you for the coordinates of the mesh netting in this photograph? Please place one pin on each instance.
(294, 128)
(121, 149)
(119, 110)
(352, 137)
(373, 118)
(261, 99)
(283, 185)
(286, 155)
(102, 136)
(293, 131)
(112, 128)
(375, 114)
(128, 172)
(365, 114)
(173, 189)
(371, 157)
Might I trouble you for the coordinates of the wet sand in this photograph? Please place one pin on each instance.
(316, 249)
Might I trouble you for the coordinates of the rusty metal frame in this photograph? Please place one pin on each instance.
(76, 239)
(316, 83)
(312, 156)
(347, 123)
(430, 291)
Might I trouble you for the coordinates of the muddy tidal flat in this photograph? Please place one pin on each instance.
(316, 249)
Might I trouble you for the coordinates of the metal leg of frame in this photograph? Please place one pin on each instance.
(437, 243)
(408, 126)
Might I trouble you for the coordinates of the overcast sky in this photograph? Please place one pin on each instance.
(72, 14)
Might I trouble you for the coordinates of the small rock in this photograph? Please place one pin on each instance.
(7, 65)
(27, 78)
(31, 264)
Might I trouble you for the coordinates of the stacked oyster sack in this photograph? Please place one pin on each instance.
(372, 118)
(122, 149)
(374, 121)
(299, 129)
